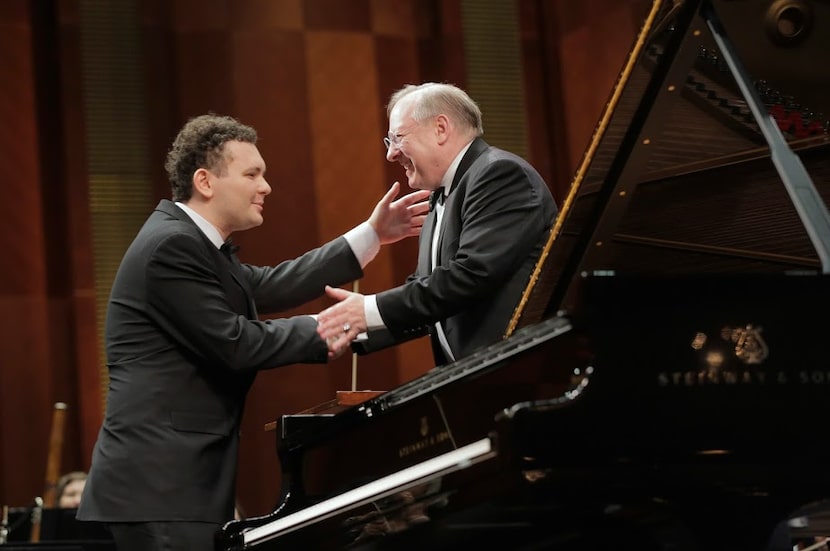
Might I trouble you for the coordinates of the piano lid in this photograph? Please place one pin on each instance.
(679, 175)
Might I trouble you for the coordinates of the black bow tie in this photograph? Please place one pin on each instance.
(437, 196)
(228, 248)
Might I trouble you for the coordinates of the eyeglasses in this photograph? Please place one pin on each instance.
(392, 139)
(395, 139)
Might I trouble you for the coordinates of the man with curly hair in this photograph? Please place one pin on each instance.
(184, 340)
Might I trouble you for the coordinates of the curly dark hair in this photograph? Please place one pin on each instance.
(200, 144)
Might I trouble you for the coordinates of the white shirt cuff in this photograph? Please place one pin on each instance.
(364, 242)
(370, 310)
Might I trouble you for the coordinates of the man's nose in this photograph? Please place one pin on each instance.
(392, 153)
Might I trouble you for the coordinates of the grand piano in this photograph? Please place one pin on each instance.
(662, 382)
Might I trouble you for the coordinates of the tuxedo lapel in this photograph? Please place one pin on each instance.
(478, 147)
(475, 150)
(240, 294)
(238, 274)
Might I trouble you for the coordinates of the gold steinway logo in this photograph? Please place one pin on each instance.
(750, 347)
(736, 355)
(426, 440)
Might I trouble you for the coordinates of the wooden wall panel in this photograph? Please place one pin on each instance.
(542, 62)
(348, 158)
(333, 15)
(595, 38)
(573, 53)
(25, 385)
(85, 337)
(345, 126)
(268, 14)
(42, 283)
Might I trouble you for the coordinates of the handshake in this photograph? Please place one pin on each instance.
(393, 220)
(341, 323)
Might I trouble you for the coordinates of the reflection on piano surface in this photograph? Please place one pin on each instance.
(662, 380)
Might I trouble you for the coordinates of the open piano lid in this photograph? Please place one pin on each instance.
(679, 177)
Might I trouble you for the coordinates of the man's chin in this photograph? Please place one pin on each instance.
(253, 222)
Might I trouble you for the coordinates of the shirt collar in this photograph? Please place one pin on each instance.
(449, 175)
(207, 228)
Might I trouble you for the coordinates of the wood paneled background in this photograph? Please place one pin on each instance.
(92, 95)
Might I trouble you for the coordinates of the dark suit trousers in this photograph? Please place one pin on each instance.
(163, 536)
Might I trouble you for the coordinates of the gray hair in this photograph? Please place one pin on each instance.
(432, 98)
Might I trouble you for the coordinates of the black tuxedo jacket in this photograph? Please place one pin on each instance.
(183, 345)
(496, 220)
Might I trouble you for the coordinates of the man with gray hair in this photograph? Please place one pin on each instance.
(489, 219)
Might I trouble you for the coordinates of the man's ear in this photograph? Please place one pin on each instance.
(442, 129)
(202, 184)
